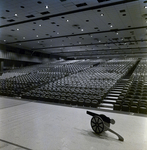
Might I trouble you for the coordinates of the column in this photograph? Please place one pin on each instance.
(1, 66)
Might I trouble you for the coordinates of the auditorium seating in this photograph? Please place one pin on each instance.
(82, 83)
(85, 88)
(134, 95)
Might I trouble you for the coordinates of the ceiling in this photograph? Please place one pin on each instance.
(76, 29)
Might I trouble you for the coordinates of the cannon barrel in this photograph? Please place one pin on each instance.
(91, 113)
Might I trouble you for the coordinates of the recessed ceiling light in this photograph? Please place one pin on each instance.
(24, 38)
(22, 6)
(36, 35)
(39, 2)
(145, 6)
(17, 29)
(46, 6)
(117, 33)
(102, 15)
(82, 29)
(99, 41)
(40, 25)
(111, 26)
(4, 40)
(67, 20)
(57, 32)
(99, 10)
(15, 15)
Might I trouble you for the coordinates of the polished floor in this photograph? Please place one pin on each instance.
(26, 125)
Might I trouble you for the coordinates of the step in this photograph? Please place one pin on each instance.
(125, 80)
(105, 108)
(120, 84)
(111, 97)
(106, 105)
(118, 92)
(113, 94)
(118, 89)
(109, 101)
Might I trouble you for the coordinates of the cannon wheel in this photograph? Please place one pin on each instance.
(97, 124)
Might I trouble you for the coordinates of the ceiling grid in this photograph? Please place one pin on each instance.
(65, 27)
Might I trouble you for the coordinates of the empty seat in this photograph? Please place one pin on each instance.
(74, 101)
(125, 107)
(94, 103)
(117, 106)
(87, 103)
(143, 110)
(134, 108)
(80, 102)
(68, 100)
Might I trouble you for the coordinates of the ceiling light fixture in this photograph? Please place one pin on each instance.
(4, 40)
(15, 15)
(67, 20)
(17, 29)
(82, 29)
(111, 26)
(145, 7)
(40, 25)
(102, 15)
(46, 7)
(36, 35)
(23, 37)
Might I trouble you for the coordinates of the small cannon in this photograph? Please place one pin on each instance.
(101, 123)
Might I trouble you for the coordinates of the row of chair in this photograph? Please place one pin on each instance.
(90, 84)
(133, 97)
